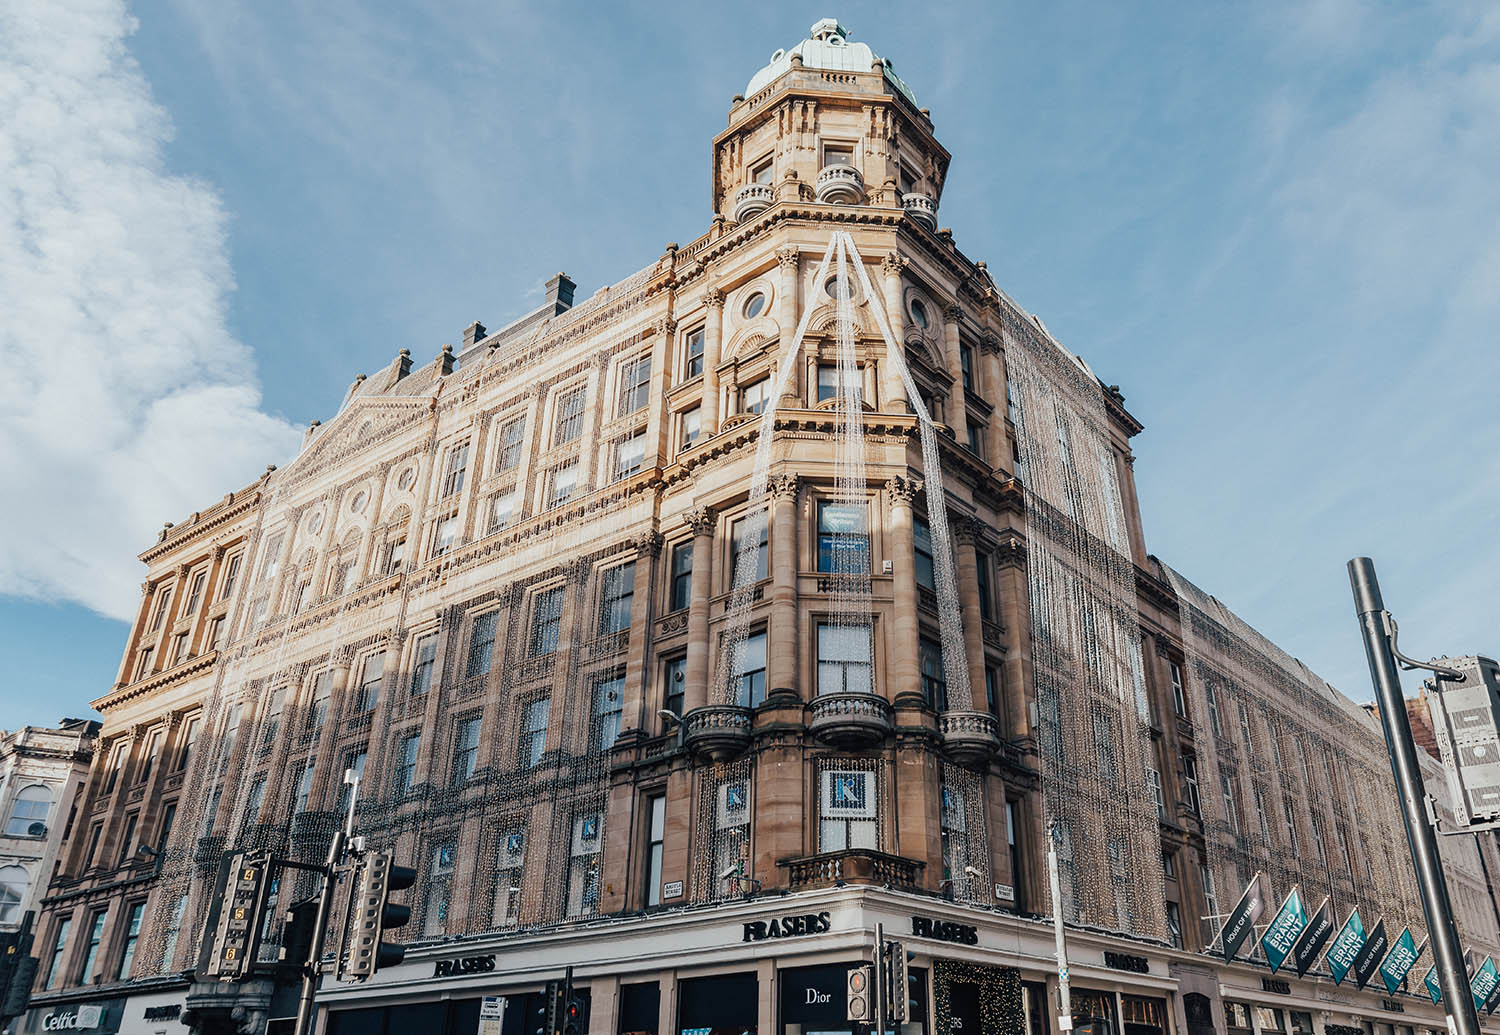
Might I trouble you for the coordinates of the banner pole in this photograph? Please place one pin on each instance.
(1441, 932)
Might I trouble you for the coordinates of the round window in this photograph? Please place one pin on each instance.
(834, 291)
(315, 522)
(406, 478)
(755, 305)
(358, 503)
(919, 313)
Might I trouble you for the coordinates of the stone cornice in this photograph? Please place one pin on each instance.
(176, 674)
(207, 521)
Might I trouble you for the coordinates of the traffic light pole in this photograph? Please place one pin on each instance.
(320, 926)
(878, 984)
(1442, 933)
(1064, 991)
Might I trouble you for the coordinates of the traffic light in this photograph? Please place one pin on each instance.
(17, 970)
(551, 1009)
(241, 905)
(300, 922)
(1466, 721)
(18, 990)
(372, 914)
(897, 984)
(570, 1008)
(857, 994)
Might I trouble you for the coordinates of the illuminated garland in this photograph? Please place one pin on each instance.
(1000, 1004)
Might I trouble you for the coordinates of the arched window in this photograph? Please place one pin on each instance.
(28, 816)
(14, 883)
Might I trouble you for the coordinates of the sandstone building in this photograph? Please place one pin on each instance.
(683, 633)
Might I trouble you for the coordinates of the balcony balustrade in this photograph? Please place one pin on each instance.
(717, 732)
(850, 720)
(840, 185)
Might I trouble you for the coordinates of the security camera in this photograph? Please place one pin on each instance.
(972, 871)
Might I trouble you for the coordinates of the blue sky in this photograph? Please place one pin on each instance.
(1272, 225)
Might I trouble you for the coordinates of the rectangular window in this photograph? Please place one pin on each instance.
(1190, 786)
(992, 690)
(616, 596)
(758, 554)
(847, 812)
(986, 595)
(91, 954)
(630, 454)
(301, 595)
(304, 790)
(465, 750)
(753, 396)
(1231, 807)
(656, 836)
(508, 453)
(845, 665)
(189, 738)
(444, 535)
(609, 701)
(1013, 841)
(966, 365)
(546, 620)
(831, 383)
(127, 848)
(1174, 925)
(254, 799)
(681, 591)
(843, 537)
(1179, 698)
(569, 423)
(509, 869)
(1260, 815)
(1104, 745)
(1210, 898)
(143, 666)
(216, 630)
(1291, 822)
(231, 574)
(582, 894)
(975, 433)
(369, 683)
(1213, 708)
(1153, 778)
(458, 466)
(635, 385)
(271, 558)
(149, 756)
(675, 676)
(750, 673)
(502, 510)
(691, 425)
(934, 679)
(59, 946)
(533, 734)
(421, 664)
(173, 930)
(921, 536)
(764, 172)
(1317, 833)
(562, 483)
(482, 644)
(406, 762)
(195, 593)
(837, 155)
(692, 365)
(322, 690)
(395, 557)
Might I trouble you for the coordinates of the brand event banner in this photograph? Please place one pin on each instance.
(1345, 947)
(1241, 922)
(1482, 984)
(1494, 999)
(1369, 957)
(1285, 929)
(1434, 986)
(1399, 960)
(1319, 929)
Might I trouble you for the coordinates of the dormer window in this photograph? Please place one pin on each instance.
(764, 172)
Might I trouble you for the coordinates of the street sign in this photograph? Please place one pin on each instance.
(491, 1015)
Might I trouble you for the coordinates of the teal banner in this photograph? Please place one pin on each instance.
(1399, 960)
(1434, 987)
(1345, 947)
(1288, 925)
(1483, 983)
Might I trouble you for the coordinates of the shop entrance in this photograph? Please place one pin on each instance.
(969, 999)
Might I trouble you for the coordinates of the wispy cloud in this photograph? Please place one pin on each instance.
(126, 401)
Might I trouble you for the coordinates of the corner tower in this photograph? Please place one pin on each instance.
(828, 120)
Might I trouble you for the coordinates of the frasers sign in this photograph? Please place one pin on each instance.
(80, 1019)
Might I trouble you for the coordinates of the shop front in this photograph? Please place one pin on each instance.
(94, 1017)
(814, 1000)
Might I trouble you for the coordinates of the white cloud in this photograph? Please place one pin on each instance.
(125, 401)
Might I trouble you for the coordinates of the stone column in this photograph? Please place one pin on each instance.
(966, 532)
(702, 520)
(372, 523)
(902, 642)
(1015, 614)
(994, 377)
(783, 656)
(891, 387)
(713, 341)
(658, 426)
(320, 565)
(637, 671)
(593, 415)
(957, 407)
(788, 263)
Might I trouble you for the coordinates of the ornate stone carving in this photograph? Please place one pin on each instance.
(953, 313)
(714, 298)
(966, 529)
(783, 486)
(989, 342)
(893, 263)
(702, 520)
(666, 326)
(903, 490)
(787, 258)
(650, 544)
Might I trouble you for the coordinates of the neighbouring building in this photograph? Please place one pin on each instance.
(40, 773)
(683, 634)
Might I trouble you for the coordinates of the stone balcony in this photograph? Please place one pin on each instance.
(751, 200)
(970, 738)
(852, 866)
(717, 732)
(921, 208)
(850, 720)
(840, 185)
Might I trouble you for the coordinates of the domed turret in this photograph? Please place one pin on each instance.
(828, 121)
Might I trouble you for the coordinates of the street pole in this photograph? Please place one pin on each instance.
(325, 906)
(879, 983)
(1064, 991)
(1441, 932)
